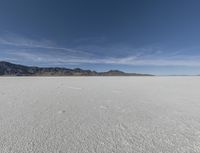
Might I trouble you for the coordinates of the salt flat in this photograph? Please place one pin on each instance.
(100, 115)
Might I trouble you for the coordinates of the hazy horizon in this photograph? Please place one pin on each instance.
(157, 37)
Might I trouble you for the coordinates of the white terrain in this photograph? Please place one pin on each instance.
(100, 115)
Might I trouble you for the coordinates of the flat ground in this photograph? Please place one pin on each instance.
(100, 115)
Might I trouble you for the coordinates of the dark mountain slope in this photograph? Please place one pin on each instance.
(10, 69)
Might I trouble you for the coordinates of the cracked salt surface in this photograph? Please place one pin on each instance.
(100, 115)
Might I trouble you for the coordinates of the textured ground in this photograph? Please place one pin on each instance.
(100, 115)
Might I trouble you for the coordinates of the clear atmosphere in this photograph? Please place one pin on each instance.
(156, 37)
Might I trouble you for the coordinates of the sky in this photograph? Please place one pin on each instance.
(144, 36)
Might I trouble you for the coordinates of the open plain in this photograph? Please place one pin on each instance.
(100, 114)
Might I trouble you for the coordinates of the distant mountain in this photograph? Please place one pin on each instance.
(10, 69)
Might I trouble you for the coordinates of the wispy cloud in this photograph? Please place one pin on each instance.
(130, 60)
(45, 52)
(19, 41)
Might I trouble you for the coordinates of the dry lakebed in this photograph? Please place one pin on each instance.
(100, 114)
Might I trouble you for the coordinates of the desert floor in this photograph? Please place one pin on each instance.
(99, 114)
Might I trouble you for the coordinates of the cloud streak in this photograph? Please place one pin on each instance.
(22, 42)
(130, 60)
(46, 52)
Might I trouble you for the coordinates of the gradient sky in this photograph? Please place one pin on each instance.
(145, 36)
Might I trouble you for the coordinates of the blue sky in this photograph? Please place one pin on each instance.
(158, 37)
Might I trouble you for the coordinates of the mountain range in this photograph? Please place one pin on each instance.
(10, 69)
